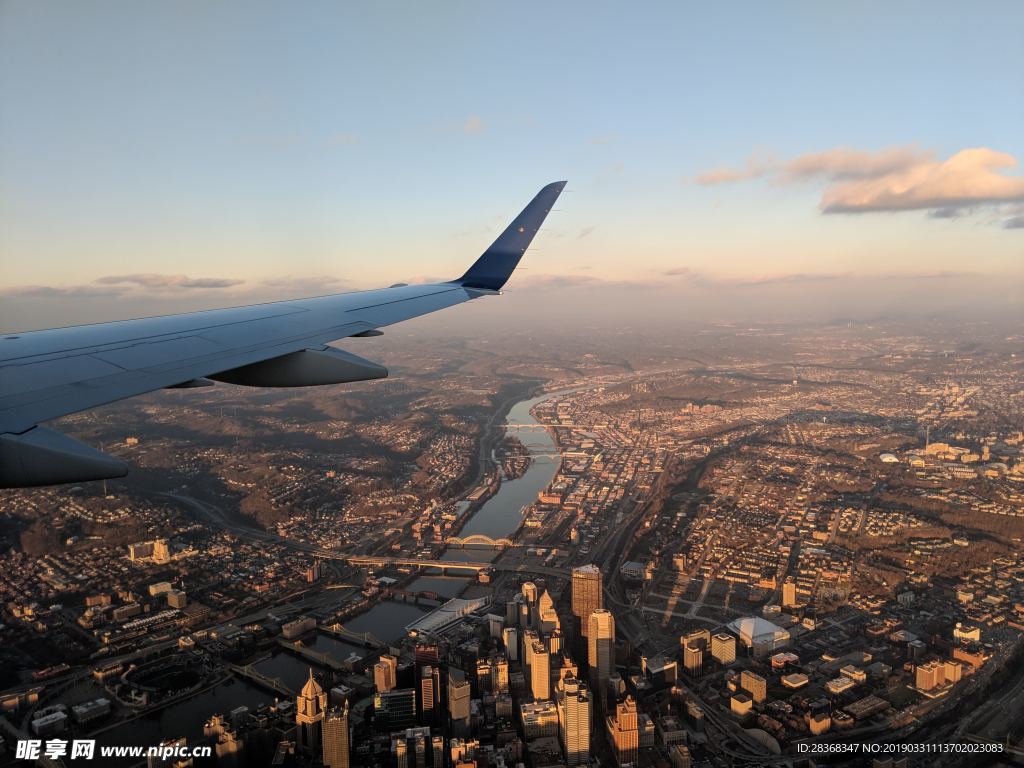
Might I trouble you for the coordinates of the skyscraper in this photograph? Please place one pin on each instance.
(385, 673)
(624, 732)
(529, 590)
(458, 701)
(754, 684)
(483, 676)
(510, 639)
(567, 668)
(587, 594)
(574, 718)
(499, 675)
(396, 708)
(601, 649)
(400, 750)
(437, 747)
(336, 737)
(547, 618)
(789, 593)
(427, 653)
(723, 648)
(699, 637)
(161, 552)
(528, 609)
(309, 715)
(693, 658)
(555, 642)
(538, 661)
(430, 693)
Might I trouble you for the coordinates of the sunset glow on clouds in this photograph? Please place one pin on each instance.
(892, 179)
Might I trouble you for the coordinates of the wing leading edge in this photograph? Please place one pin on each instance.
(53, 373)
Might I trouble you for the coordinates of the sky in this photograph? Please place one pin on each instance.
(165, 157)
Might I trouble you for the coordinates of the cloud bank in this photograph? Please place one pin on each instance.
(892, 179)
(151, 280)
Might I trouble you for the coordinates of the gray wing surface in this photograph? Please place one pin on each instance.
(52, 373)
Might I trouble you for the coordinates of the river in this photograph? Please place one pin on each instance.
(499, 516)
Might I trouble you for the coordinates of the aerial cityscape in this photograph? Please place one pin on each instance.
(511, 385)
(770, 538)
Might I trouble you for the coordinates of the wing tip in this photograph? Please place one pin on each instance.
(494, 267)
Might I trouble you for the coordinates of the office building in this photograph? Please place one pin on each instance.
(140, 550)
(930, 675)
(399, 750)
(755, 685)
(483, 676)
(336, 737)
(437, 747)
(427, 654)
(723, 648)
(538, 661)
(624, 732)
(458, 701)
(499, 675)
(789, 593)
(574, 719)
(601, 649)
(430, 693)
(699, 637)
(693, 658)
(529, 591)
(587, 594)
(740, 704)
(555, 642)
(547, 618)
(463, 750)
(528, 608)
(395, 709)
(510, 637)
(679, 756)
(819, 723)
(385, 673)
(161, 552)
(309, 716)
(539, 718)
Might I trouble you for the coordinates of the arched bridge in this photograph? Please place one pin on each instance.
(478, 539)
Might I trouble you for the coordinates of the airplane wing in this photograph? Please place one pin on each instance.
(52, 373)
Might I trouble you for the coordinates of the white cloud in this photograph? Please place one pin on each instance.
(970, 177)
(892, 179)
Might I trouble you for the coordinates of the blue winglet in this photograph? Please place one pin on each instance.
(494, 267)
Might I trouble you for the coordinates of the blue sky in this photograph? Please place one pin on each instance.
(235, 148)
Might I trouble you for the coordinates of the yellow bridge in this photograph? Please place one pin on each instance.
(478, 539)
